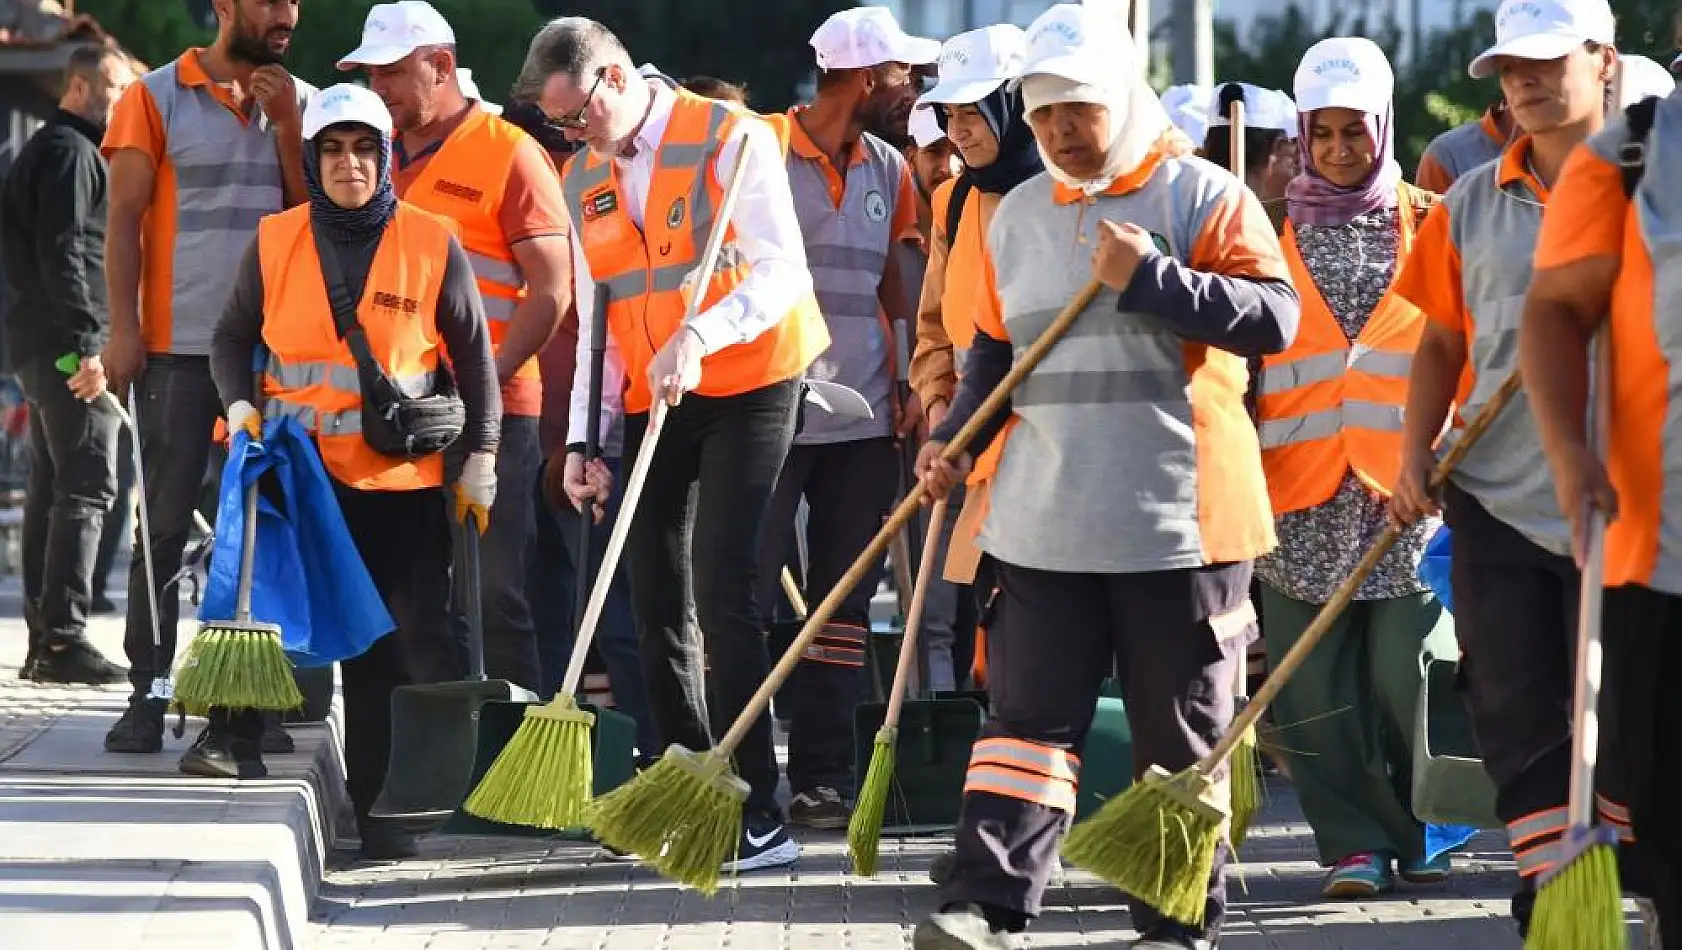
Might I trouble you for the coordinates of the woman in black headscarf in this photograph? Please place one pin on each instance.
(417, 304)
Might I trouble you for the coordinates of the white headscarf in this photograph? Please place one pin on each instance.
(1137, 121)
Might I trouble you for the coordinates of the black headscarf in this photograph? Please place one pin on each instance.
(350, 225)
(1018, 159)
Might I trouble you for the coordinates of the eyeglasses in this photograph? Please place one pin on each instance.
(576, 121)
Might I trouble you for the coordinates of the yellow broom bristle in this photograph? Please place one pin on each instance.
(239, 668)
(864, 829)
(543, 777)
(1155, 841)
(1581, 905)
(1246, 786)
(683, 816)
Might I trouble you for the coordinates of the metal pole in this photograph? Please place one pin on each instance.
(1194, 42)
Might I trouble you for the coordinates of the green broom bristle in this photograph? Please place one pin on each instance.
(1580, 905)
(236, 667)
(1155, 841)
(864, 829)
(543, 777)
(683, 816)
(1246, 786)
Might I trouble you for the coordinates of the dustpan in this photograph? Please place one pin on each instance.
(1106, 760)
(1450, 786)
(435, 726)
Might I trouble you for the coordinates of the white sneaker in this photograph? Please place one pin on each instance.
(765, 844)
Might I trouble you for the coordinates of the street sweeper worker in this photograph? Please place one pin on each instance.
(1330, 410)
(1465, 147)
(200, 149)
(855, 204)
(417, 306)
(454, 158)
(642, 194)
(1101, 447)
(934, 162)
(1270, 139)
(1515, 586)
(1605, 261)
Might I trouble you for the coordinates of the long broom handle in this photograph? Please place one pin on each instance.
(247, 556)
(914, 616)
(650, 439)
(1346, 591)
(592, 449)
(791, 590)
(1235, 151)
(1585, 699)
(913, 500)
(131, 419)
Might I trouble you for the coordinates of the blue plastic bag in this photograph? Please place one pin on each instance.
(307, 576)
(1433, 567)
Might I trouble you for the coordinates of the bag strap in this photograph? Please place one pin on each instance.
(1632, 158)
(343, 306)
(955, 208)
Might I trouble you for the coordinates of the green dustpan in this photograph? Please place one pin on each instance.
(1450, 786)
(435, 726)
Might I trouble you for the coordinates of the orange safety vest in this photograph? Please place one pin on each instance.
(465, 181)
(1327, 405)
(311, 375)
(643, 269)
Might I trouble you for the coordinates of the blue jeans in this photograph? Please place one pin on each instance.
(554, 576)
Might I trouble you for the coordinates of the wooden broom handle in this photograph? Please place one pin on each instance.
(913, 500)
(1298, 654)
(914, 616)
(1235, 151)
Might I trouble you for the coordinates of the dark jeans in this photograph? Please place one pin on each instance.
(707, 493)
(404, 539)
(848, 487)
(119, 521)
(72, 480)
(505, 554)
(552, 590)
(178, 411)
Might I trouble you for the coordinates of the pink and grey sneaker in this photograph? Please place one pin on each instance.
(1359, 875)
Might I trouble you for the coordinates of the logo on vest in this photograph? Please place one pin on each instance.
(674, 216)
(455, 190)
(1161, 244)
(875, 206)
(599, 204)
(396, 303)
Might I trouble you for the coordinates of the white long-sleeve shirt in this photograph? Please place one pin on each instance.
(767, 235)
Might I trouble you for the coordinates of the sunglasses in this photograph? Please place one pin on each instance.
(576, 121)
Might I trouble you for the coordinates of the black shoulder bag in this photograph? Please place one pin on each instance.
(393, 424)
(1632, 157)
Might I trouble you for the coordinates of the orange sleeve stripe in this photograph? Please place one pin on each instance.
(1430, 278)
(136, 124)
(989, 309)
(1579, 222)
(1237, 240)
(1432, 176)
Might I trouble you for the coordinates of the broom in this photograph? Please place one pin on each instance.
(685, 813)
(544, 777)
(1579, 902)
(864, 830)
(239, 664)
(1157, 840)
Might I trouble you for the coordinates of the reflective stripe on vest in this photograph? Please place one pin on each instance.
(465, 181)
(227, 177)
(1148, 430)
(1494, 230)
(1326, 405)
(310, 374)
(645, 268)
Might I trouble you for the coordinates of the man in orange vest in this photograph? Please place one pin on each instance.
(418, 307)
(644, 195)
(455, 159)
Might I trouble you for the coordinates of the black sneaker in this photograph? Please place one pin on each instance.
(139, 729)
(385, 840)
(940, 869)
(276, 740)
(959, 927)
(76, 663)
(219, 753)
(1170, 935)
(27, 670)
(820, 808)
(102, 605)
(765, 844)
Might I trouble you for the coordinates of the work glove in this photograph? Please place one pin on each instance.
(475, 490)
(243, 415)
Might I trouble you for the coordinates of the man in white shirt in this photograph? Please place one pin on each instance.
(642, 209)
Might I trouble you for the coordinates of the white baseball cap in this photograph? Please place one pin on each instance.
(974, 65)
(470, 90)
(346, 102)
(1263, 109)
(1640, 77)
(394, 30)
(861, 37)
(1545, 29)
(925, 128)
(1078, 43)
(1349, 72)
(1187, 106)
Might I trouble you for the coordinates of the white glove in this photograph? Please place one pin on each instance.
(475, 490)
(243, 415)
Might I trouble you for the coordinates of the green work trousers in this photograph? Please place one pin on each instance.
(1346, 718)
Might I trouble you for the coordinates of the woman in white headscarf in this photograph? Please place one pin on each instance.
(1128, 499)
